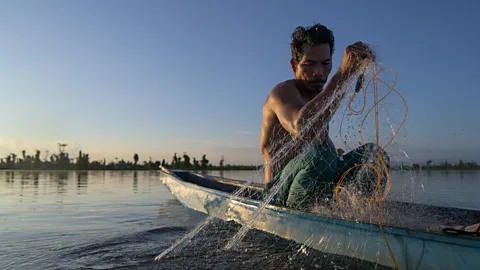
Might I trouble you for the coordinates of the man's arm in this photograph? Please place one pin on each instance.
(285, 102)
(294, 118)
(265, 151)
(287, 105)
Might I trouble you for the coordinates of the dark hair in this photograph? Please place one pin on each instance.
(313, 35)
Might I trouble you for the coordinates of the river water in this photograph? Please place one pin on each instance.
(116, 220)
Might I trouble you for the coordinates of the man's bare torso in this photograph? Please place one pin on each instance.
(278, 147)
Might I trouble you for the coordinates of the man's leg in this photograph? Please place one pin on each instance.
(365, 154)
(287, 174)
(315, 179)
(310, 174)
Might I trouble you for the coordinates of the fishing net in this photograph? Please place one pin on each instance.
(370, 117)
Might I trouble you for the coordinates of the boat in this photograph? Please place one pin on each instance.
(412, 248)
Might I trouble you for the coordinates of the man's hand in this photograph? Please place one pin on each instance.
(354, 56)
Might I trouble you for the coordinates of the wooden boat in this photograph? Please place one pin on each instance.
(413, 249)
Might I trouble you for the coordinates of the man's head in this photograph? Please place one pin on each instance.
(312, 50)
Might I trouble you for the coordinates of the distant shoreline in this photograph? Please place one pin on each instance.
(63, 162)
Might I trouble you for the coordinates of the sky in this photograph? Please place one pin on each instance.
(114, 78)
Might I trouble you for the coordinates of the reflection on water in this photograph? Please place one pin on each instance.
(437, 187)
(135, 181)
(82, 182)
(58, 181)
(47, 218)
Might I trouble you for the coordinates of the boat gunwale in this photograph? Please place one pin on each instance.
(351, 224)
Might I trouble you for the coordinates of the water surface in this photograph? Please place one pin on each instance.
(113, 219)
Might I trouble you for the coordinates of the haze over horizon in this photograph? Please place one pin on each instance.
(114, 78)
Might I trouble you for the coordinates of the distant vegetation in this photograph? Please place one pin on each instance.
(444, 165)
(62, 161)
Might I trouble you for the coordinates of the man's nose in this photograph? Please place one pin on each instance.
(319, 71)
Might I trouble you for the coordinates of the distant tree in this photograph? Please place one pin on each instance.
(163, 162)
(135, 160)
(24, 154)
(429, 163)
(37, 162)
(204, 161)
(196, 163)
(14, 158)
(150, 163)
(445, 165)
(472, 165)
(186, 160)
(87, 161)
(174, 160)
(222, 160)
(82, 161)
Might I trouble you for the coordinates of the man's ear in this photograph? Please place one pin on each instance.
(293, 63)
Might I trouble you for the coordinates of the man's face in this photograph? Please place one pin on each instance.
(314, 66)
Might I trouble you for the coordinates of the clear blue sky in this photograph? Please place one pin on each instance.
(156, 77)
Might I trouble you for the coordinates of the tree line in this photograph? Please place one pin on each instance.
(443, 165)
(63, 161)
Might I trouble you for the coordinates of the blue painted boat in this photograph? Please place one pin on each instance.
(413, 249)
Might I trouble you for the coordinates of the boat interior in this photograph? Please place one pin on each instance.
(252, 191)
(447, 216)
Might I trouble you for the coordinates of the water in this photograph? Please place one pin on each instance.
(113, 219)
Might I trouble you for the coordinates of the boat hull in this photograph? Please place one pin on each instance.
(412, 249)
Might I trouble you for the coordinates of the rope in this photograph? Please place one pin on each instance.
(376, 196)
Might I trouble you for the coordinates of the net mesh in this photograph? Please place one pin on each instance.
(364, 117)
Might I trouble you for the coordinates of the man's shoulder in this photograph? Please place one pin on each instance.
(281, 90)
(282, 87)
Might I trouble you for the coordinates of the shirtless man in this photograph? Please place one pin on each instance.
(292, 103)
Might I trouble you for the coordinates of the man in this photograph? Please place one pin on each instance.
(297, 112)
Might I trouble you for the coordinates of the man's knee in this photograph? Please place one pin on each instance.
(372, 150)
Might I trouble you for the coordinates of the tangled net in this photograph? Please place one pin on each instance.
(286, 148)
(381, 165)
